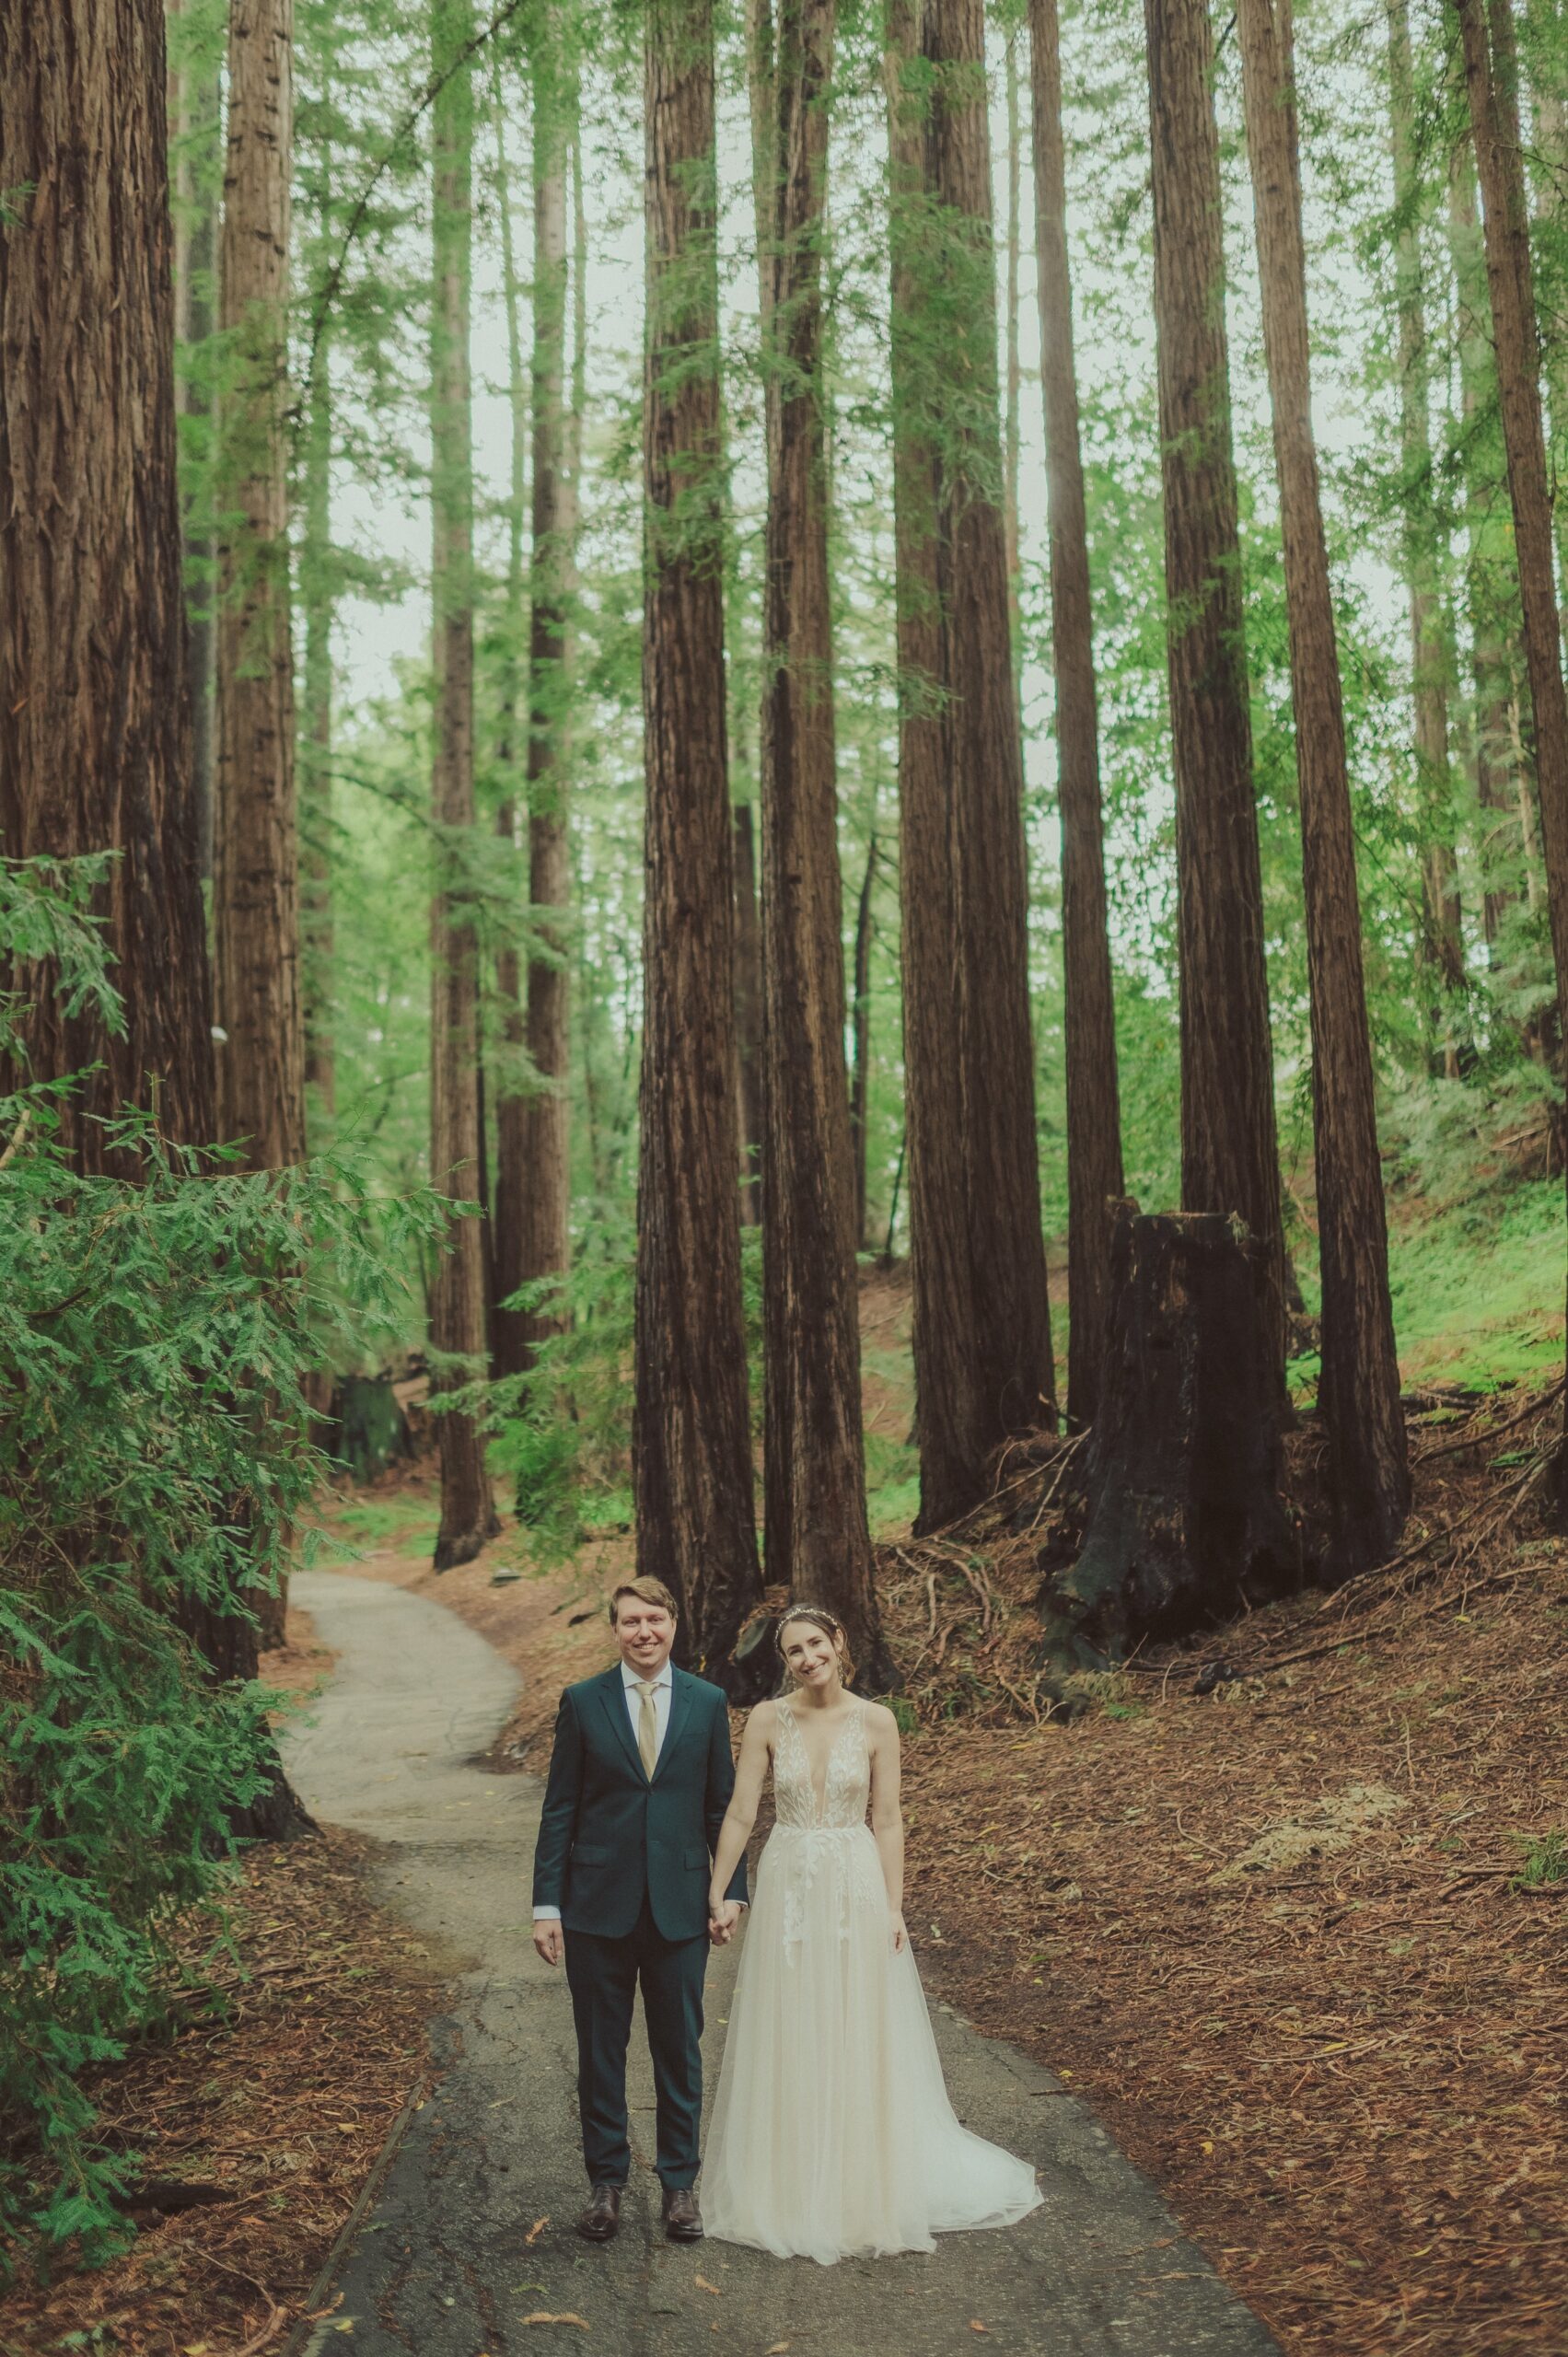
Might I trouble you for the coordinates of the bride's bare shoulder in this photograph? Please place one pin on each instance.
(762, 1718)
(881, 1723)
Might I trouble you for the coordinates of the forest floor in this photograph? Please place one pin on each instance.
(1299, 1942)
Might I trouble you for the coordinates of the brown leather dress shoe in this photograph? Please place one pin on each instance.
(682, 2219)
(601, 2221)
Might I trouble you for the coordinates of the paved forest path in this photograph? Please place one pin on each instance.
(441, 2266)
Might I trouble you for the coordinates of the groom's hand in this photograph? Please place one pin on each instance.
(722, 1922)
(548, 1940)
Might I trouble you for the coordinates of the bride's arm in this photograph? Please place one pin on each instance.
(742, 1815)
(887, 1816)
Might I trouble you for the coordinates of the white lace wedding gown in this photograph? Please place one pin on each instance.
(832, 2135)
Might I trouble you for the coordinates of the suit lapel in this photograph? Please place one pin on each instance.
(612, 1694)
(679, 1711)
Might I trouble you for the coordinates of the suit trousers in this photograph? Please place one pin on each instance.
(603, 1976)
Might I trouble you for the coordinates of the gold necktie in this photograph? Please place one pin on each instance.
(647, 1727)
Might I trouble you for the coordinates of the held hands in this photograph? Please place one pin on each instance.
(723, 1917)
(548, 1942)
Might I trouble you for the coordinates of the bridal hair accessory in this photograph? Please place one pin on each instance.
(820, 1618)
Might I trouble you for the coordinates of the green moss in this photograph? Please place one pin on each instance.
(1478, 1290)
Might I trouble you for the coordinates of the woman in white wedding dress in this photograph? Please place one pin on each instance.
(832, 2135)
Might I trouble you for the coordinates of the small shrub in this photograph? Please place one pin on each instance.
(1543, 1861)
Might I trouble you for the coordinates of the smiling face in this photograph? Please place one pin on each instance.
(811, 1656)
(644, 1633)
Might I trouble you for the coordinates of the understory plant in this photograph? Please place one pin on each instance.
(155, 1459)
(561, 1434)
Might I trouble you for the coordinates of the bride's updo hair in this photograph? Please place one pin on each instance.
(819, 1619)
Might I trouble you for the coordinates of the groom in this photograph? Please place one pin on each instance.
(640, 1779)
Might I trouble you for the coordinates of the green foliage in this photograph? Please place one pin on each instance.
(154, 1459)
(563, 1431)
(1543, 1862)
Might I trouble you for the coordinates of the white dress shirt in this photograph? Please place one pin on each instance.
(663, 1685)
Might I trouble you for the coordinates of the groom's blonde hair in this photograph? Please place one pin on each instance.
(647, 1591)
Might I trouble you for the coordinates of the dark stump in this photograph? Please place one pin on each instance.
(1185, 1523)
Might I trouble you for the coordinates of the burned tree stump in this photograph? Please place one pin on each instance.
(1185, 1523)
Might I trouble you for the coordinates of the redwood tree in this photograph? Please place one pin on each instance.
(814, 1463)
(981, 1317)
(458, 1288)
(316, 572)
(748, 1014)
(256, 867)
(1229, 1153)
(95, 720)
(1359, 1386)
(947, 1419)
(1094, 1114)
(1492, 586)
(508, 1334)
(1431, 651)
(538, 1193)
(1015, 1380)
(95, 725)
(1491, 76)
(195, 111)
(692, 1445)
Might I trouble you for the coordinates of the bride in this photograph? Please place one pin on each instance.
(832, 2135)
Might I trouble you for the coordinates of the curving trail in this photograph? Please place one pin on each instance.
(441, 2266)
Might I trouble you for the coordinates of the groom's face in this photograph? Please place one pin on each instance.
(644, 1633)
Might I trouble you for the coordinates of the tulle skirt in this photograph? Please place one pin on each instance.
(831, 2134)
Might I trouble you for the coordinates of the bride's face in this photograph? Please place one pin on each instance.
(811, 1655)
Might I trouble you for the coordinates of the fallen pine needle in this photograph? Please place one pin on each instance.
(540, 2316)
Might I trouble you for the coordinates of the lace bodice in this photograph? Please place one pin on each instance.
(848, 1787)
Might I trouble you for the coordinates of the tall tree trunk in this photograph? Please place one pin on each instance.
(1359, 1388)
(749, 1015)
(1551, 143)
(94, 744)
(542, 1201)
(508, 1333)
(814, 1468)
(457, 1292)
(761, 85)
(1491, 76)
(1094, 1114)
(691, 1453)
(1014, 379)
(195, 110)
(1491, 583)
(256, 866)
(1014, 1379)
(860, 1024)
(95, 721)
(316, 862)
(1443, 949)
(1229, 1152)
(982, 1326)
(949, 1422)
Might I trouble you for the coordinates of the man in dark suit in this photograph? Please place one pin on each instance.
(640, 1778)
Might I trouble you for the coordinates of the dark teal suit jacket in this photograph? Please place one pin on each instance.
(609, 1837)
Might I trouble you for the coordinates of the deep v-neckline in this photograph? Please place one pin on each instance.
(820, 1801)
